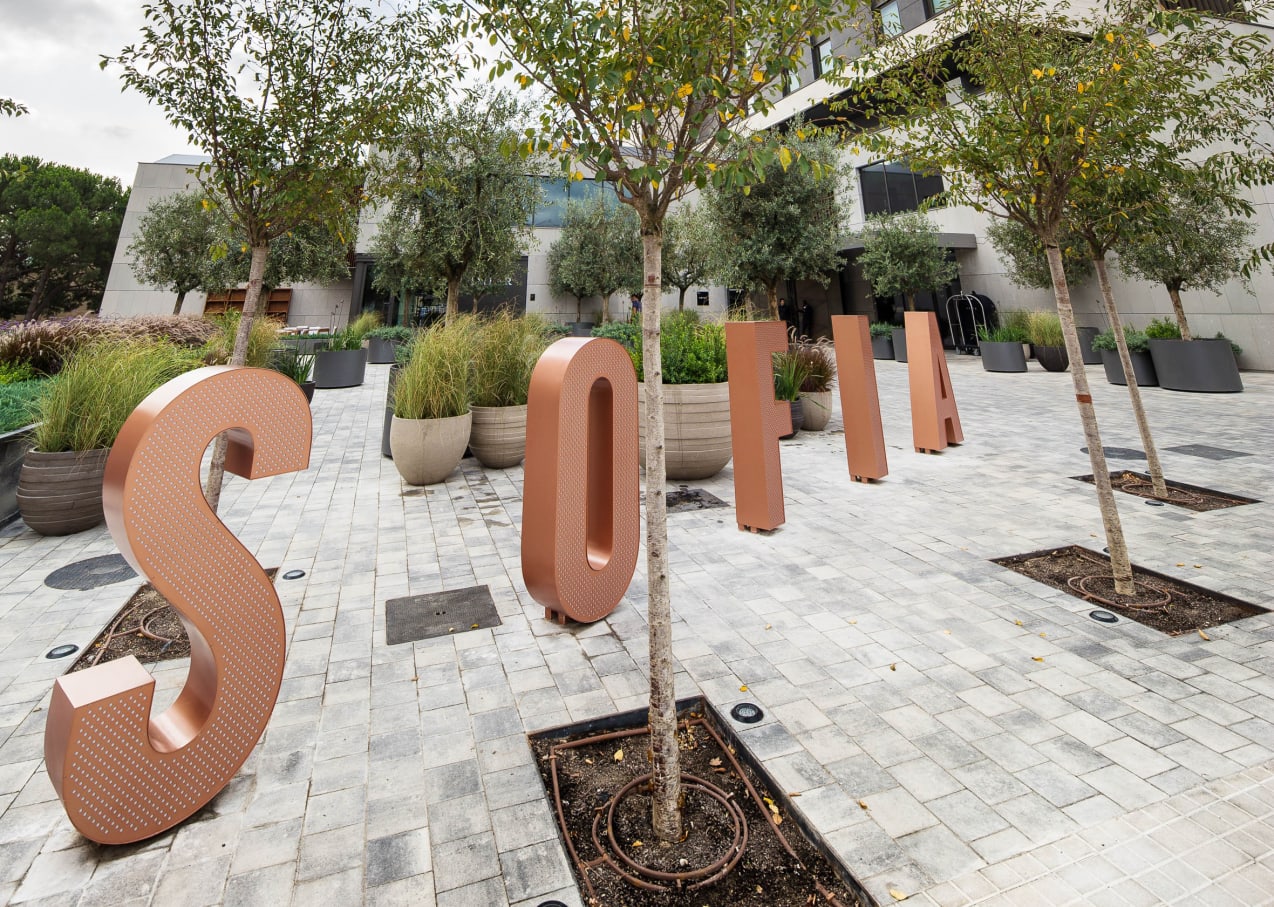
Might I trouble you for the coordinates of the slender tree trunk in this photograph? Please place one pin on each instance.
(666, 762)
(251, 299)
(181, 297)
(1180, 311)
(911, 301)
(681, 299)
(604, 315)
(37, 294)
(1120, 564)
(453, 298)
(772, 297)
(1134, 391)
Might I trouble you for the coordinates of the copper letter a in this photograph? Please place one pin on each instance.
(935, 423)
(859, 399)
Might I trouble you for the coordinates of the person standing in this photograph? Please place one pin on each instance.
(634, 300)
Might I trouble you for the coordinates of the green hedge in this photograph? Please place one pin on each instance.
(18, 402)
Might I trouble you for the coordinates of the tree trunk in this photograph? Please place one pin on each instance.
(666, 762)
(772, 297)
(181, 297)
(256, 270)
(604, 314)
(681, 299)
(911, 301)
(453, 298)
(1120, 564)
(37, 294)
(1180, 311)
(1134, 391)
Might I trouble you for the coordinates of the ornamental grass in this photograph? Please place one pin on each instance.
(435, 382)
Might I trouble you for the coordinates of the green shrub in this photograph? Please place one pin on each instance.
(626, 333)
(19, 402)
(1163, 329)
(292, 363)
(396, 334)
(819, 363)
(790, 373)
(434, 384)
(1137, 341)
(361, 326)
(506, 349)
(556, 331)
(99, 386)
(1045, 329)
(16, 372)
(882, 329)
(261, 342)
(691, 351)
(1238, 350)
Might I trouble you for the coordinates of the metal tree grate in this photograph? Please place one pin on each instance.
(1120, 453)
(685, 499)
(439, 614)
(1208, 452)
(91, 574)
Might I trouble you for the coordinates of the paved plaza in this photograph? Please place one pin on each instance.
(957, 733)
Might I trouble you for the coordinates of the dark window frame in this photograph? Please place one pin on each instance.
(880, 172)
(816, 57)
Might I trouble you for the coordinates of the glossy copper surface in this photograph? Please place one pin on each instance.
(935, 422)
(580, 508)
(124, 775)
(756, 421)
(859, 398)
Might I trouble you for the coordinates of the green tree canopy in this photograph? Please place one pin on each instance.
(1023, 255)
(175, 244)
(690, 252)
(462, 203)
(902, 254)
(597, 254)
(786, 227)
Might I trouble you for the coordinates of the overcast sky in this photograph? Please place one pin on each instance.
(49, 52)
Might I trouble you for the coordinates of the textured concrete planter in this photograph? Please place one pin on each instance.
(1143, 368)
(13, 449)
(882, 347)
(1086, 337)
(696, 429)
(1002, 357)
(426, 451)
(340, 368)
(1197, 366)
(816, 407)
(900, 344)
(798, 419)
(498, 438)
(1053, 358)
(61, 493)
(381, 351)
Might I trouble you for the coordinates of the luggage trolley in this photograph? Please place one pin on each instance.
(965, 314)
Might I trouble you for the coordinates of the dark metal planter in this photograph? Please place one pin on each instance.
(1053, 358)
(900, 344)
(13, 448)
(1197, 366)
(381, 351)
(1086, 337)
(582, 328)
(798, 419)
(307, 388)
(1002, 357)
(340, 368)
(394, 371)
(1142, 367)
(882, 347)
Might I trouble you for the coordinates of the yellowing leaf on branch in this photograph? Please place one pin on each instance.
(785, 158)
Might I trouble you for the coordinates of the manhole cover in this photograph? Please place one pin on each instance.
(439, 614)
(91, 574)
(684, 499)
(1208, 452)
(1120, 453)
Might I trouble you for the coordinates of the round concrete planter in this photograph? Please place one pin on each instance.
(1053, 358)
(798, 419)
(14, 446)
(882, 347)
(900, 344)
(696, 429)
(1086, 337)
(426, 451)
(498, 438)
(1143, 368)
(1197, 366)
(381, 351)
(816, 408)
(61, 493)
(339, 368)
(1002, 357)
(394, 371)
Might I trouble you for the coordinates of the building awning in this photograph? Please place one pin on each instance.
(946, 240)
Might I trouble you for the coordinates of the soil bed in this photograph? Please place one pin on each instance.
(146, 627)
(1161, 602)
(1191, 497)
(591, 770)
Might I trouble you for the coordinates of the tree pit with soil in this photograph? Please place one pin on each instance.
(1191, 497)
(742, 847)
(1161, 602)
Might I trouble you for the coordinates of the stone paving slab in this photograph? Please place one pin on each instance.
(1004, 745)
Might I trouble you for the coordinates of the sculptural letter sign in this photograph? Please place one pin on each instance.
(123, 775)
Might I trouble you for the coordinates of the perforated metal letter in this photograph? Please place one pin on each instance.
(757, 421)
(859, 398)
(935, 422)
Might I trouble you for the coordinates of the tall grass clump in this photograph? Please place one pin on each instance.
(99, 386)
(435, 382)
(506, 348)
(1045, 329)
(819, 363)
(262, 340)
(363, 325)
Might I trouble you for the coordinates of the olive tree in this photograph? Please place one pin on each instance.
(690, 250)
(902, 255)
(175, 244)
(597, 253)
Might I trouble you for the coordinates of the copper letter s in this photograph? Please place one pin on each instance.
(123, 775)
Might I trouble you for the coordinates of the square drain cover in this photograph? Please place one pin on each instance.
(1120, 453)
(1208, 452)
(439, 614)
(684, 499)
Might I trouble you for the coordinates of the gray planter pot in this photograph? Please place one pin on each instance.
(13, 449)
(381, 351)
(307, 388)
(1053, 358)
(1197, 366)
(798, 419)
(582, 328)
(1002, 357)
(394, 371)
(1143, 368)
(882, 347)
(900, 344)
(1086, 335)
(340, 368)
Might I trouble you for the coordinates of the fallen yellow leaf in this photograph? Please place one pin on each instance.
(474, 627)
(893, 667)
(862, 804)
(1018, 622)
(897, 895)
(1044, 634)
(768, 626)
(1180, 565)
(714, 762)
(637, 844)
(1198, 566)
(1204, 635)
(1036, 658)
(619, 755)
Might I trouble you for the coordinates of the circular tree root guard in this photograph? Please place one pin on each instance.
(1170, 605)
(146, 627)
(1191, 497)
(609, 837)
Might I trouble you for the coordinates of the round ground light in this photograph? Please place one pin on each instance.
(62, 651)
(551, 904)
(1103, 617)
(294, 574)
(747, 712)
(1154, 503)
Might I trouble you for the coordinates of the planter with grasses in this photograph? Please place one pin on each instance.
(1143, 367)
(432, 420)
(18, 401)
(790, 372)
(506, 348)
(882, 340)
(899, 337)
(298, 366)
(1045, 332)
(344, 362)
(1200, 366)
(80, 415)
(819, 364)
(383, 343)
(1001, 348)
(696, 397)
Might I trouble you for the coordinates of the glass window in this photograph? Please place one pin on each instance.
(938, 6)
(890, 18)
(890, 187)
(901, 183)
(551, 209)
(791, 82)
(875, 196)
(824, 62)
